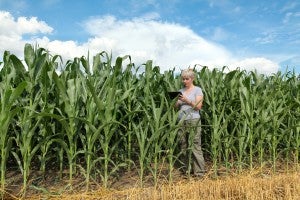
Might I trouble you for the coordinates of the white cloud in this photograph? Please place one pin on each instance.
(260, 64)
(32, 26)
(169, 45)
(12, 31)
(10, 26)
(67, 49)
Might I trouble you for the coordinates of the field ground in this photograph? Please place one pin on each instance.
(252, 185)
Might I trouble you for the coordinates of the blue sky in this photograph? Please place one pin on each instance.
(256, 34)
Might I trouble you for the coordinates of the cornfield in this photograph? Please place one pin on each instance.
(99, 118)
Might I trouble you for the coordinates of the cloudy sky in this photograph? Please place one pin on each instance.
(257, 34)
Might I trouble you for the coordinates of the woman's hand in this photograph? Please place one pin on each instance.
(194, 105)
(183, 99)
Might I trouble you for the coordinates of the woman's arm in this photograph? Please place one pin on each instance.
(197, 105)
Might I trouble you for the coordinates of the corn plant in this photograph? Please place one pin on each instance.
(157, 119)
(294, 118)
(279, 111)
(131, 110)
(11, 90)
(41, 66)
(90, 135)
(70, 85)
(25, 140)
(143, 144)
(34, 100)
(214, 109)
(9, 110)
(171, 142)
(108, 101)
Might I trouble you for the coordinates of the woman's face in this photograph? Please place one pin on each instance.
(187, 81)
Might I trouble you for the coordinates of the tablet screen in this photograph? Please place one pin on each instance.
(173, 95)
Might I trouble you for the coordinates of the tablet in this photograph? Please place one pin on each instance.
(173, 95)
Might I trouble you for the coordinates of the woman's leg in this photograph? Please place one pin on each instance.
(198, 163)
(183, 144)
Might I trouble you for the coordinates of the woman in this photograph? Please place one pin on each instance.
(189, 104)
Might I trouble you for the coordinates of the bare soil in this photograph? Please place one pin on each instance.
(53, 186)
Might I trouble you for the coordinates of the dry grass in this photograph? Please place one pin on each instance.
(251, 185)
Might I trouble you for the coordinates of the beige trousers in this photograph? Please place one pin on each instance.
(190, 144)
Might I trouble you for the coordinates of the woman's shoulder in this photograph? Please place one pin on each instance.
(198, 90)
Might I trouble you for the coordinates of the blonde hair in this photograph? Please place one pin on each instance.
(188, 73)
